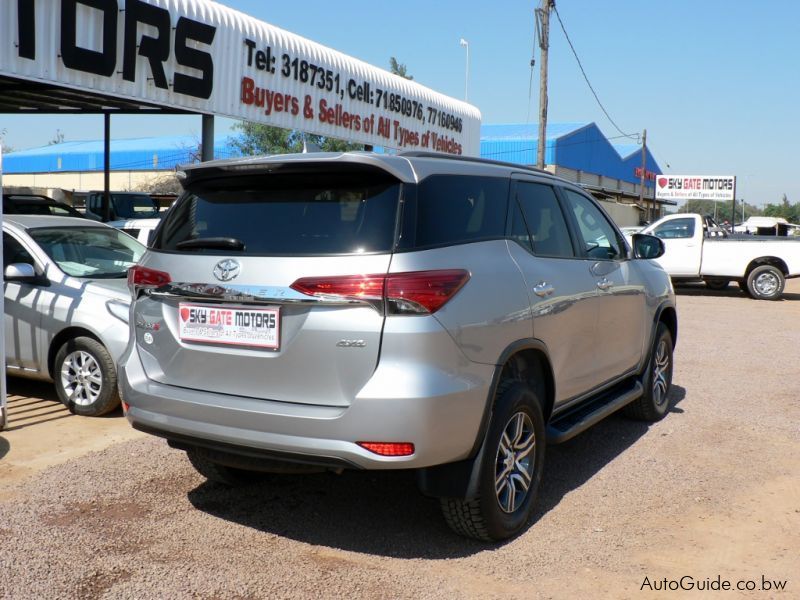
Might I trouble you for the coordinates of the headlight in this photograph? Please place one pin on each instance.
(119, 309)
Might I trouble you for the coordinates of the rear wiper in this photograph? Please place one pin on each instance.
(211, 242)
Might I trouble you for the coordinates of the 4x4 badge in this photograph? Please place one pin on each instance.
(227, 269)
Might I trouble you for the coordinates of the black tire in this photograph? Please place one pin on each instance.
(656, 380)
(219, 473)
(85, 377)
(717, 284)
(517, 421)
(766, 283)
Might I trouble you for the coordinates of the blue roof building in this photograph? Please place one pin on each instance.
(576, 146)
(139, 154)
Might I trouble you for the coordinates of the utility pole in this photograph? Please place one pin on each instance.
(544, 45)
(642, 176)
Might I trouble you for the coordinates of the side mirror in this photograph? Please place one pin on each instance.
(647, 246)
(19, 272)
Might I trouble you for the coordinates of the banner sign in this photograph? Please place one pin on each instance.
(695, 187)
(201, 56)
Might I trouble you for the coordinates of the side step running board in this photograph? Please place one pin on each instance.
(578, 420)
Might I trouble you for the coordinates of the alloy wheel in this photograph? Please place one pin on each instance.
(81, 378)
(515, 462)
(661, 366)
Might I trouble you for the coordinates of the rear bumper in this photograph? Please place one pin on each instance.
(438, 408)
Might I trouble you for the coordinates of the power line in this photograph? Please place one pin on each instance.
(600, 104)
(533, 62)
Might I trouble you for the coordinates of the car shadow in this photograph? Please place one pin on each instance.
(31, 402)
(732, 291)
(383, 513)
(573, 463)
(4, 447)
(700, 289)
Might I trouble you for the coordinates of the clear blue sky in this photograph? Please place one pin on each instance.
(714, 82)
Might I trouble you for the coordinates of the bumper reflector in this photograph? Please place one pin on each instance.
(389, 448)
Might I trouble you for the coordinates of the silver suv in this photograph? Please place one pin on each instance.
(415, 311)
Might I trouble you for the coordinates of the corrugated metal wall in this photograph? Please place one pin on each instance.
(126, 155)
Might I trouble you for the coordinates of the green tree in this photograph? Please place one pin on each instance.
(57, 138)
(257, 139)
(398, 68)
(720, 209)
(790, 212)
(6, 148)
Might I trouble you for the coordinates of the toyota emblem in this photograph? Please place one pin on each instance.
(227, 269)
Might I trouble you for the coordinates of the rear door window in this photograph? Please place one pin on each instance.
(303, 214)
(549, 235)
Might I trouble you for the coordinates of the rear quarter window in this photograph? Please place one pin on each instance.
(454, 209)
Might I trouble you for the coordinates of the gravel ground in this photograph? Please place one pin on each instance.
(712, 490)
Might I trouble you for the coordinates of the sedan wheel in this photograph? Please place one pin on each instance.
(81, 378)
(85, 377)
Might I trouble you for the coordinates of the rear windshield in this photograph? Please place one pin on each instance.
(455, 209)
(285, 215)
(134, 206)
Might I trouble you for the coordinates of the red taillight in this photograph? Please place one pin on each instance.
(142, 277)
(423, 291)
(417, 292)
(389, 448)
(366, 287)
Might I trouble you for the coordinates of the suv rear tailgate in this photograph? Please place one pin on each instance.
(325, 351)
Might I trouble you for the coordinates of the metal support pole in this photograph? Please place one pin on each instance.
(207, 142)
(544, 45)
(465, 44)
(733, 212)
(106, 167)
(3, 416)
(642, 176)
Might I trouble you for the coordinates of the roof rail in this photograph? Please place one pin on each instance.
(487, 161)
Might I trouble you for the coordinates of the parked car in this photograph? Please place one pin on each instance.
(698, 250)
(773, 226)
(33, 204)
(629, 230)
(124, 205)
(141, 229)
(66, 305)
(448, 315)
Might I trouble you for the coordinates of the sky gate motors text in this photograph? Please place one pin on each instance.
(155, 45)
(699, 183)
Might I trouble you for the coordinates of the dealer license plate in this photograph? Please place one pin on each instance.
(230, 325)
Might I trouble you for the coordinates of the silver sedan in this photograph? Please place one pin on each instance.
(66, 305)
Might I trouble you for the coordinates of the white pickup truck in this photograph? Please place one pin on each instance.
(696, 249)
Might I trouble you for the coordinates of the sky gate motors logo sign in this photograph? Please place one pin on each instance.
(155, 48)
(695, 187)
(233, 326)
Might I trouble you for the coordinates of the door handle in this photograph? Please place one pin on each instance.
(604, 284)
(543, 289)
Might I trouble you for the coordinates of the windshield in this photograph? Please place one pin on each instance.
(90, 252)
(134, 206)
